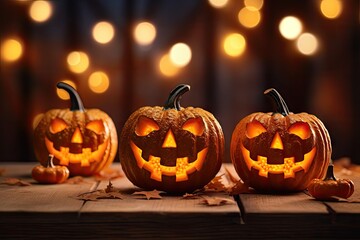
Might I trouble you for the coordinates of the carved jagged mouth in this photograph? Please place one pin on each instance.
(84, 158)
(180, 171)
(288, 168)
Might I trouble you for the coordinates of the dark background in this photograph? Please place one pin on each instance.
(326, 84)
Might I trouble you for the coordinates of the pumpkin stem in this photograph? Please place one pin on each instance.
(330, 173)
(175, 95)
(278, 102)
(50, 163)
(76, 103)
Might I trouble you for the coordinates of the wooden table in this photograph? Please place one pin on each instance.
(53, 211)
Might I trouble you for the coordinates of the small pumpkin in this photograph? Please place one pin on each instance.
(330, 187)
(171, 148)
(280, 151)
(50, 174)
(84, 140)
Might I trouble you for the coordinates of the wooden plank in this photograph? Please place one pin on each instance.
(41, 210)
(168, 217)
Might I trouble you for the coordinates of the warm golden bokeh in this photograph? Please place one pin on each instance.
(331, 8)
(78, 61)
(98, 82)
(103, 32)
(307, 44)
(167, 67)
(40, 11)
(11, 50)
(249, 17)
(180, 54)
(234, 44)
(290, 27)
(257, 4)
(144, 33)
(218, 3)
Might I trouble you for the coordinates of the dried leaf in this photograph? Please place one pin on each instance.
(216, 185)
(240, 187)
(108, 193)
(191, 195)
(15, 182)
(76, 180)
(149, 194)
(216, 201)
(231, 177)
(108, 174)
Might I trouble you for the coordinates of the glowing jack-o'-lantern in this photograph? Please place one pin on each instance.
(280, 151)
(171, 148)
(84, 140)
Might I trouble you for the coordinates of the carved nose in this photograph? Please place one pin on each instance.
(276, 142)
(77, 137)
(169, 141)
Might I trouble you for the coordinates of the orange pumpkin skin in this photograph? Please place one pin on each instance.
(83, 140)
(275, 152)
(50, 174)
(182, 150)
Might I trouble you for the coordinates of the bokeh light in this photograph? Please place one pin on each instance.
(234, 44)
(331, 8)
(257, 4)
(249, 17)
(144, 33)
(11, 50)
(103, 32)
(180, 54)
(62, 94)
(167, 67)
(218, 3)
(290, 27)
(78, 61)
(98, 82)
(307, 44)
(40, 11)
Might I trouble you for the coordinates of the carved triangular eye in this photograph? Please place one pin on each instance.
(145, 126)
(57, 125)
(96, 126)
(195, 126)
(300, 129)
(254, 129)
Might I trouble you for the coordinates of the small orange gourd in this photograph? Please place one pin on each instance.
(50, 174)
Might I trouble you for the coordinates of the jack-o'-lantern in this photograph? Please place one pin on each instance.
(171, 148)
(280, 151)
(84, 140)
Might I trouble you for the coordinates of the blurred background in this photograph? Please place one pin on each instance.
(124, 54)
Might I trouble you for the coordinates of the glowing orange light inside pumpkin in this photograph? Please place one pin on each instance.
(302, 130)
(195, 126)
(254, 129)
(169, 141)
(96, 126)
(57, 125)
(77, 137)
(276, 142)
(145, 126)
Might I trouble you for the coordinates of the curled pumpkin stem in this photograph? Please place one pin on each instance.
(76, 103)
(173, 102)
(279, 103)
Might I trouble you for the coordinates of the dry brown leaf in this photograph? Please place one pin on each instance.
(239, 188)
(216, 201)
(108, 193)
(108, 174)
(191, 195)
(231, 177)
(76, 180)
(216, 185)
(15, 182)
(155, 194)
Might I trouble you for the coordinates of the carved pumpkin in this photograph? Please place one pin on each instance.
(84, 140)
(280, 151)
(171, 148)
